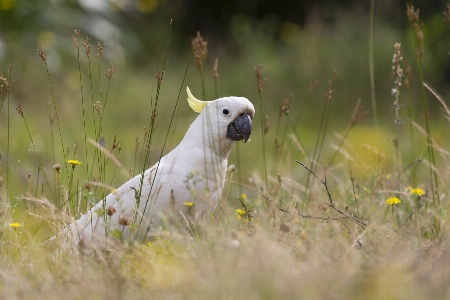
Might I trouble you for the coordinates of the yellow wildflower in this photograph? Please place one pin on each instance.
(243, 214)
(393, 200)
(74, 162)
(188, 204)
(243, 196)
(418, 191)
(240, 212)
(15, 224)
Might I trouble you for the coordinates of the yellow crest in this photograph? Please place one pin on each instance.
(194, 103)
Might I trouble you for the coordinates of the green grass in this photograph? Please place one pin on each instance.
(321, 229)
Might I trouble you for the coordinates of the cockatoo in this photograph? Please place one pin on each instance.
(188, 181)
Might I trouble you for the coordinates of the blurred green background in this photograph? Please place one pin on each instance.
(297, 43)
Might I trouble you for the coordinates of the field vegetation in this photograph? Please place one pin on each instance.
(342, 192)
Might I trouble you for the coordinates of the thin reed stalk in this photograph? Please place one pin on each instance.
(371, 65)
(261, 82)
(5, 85)
(4, 94)
(159, 77)
(75, 38)
(321, 136)
(200, 50)
(407, 83)
(20, 111)
(294, 123)
(43, 56)
(447, 22)
(413, 18)
(215, 75)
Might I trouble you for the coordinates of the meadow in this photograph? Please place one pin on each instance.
(342, 192)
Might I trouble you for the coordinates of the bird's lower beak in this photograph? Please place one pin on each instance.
(240, 128)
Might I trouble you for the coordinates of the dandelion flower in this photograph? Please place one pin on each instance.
(74, 162)
(188, 204)
(15, 224)
(243, 214)
(393, 200)
(418, 191)
(240, 212)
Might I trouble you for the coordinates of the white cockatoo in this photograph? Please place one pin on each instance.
(188, 181)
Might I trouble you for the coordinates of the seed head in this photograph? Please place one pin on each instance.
(329, 94)
(57, 168)
(285, 107)
(311, 86)
(97, 107)
(200, 48)
(75, 38)
(124, 221)
(5, 84)
(214, 73)
(19, 109)
(110, 210)
(43, 55)
(100, 49)
(110, 72)
(160, 76)
(259, 77)
(397, 70)
(413, 15)
(413, 18)
(419, 41)
(447, 15)
(87, 46)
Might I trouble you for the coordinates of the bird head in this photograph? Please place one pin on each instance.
(230, 116)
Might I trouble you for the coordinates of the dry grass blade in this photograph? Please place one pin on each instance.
(111, 156)
(42, 202)
(297, 144)
(440, 99)
(443, 152)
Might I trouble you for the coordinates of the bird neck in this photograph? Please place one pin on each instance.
(207, 132)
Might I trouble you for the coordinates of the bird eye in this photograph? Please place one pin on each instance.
(225, 111)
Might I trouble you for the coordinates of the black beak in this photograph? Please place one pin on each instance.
(240, 128)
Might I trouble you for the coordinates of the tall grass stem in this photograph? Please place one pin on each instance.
(371, 63)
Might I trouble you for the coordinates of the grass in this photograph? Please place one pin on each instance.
(370, 224)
